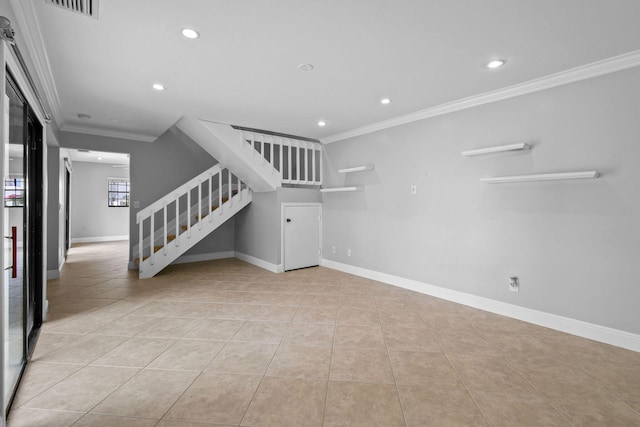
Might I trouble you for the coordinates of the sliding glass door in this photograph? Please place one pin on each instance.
(22, 232)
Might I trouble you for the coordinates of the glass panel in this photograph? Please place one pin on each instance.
(13, 229)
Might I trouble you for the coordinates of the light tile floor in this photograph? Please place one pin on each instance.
(227, 343)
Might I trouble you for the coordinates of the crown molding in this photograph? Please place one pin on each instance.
(34, 42)
(108, 133)
(595, 69)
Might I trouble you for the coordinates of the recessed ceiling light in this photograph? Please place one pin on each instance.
(190, 33)
(99, 158)
(157, 86)
(496, 63)
(322, 123)
(305, 67)
(385, 101)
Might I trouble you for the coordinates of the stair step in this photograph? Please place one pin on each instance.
(137, 260)
(156, 248)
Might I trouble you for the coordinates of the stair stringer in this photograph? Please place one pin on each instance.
(157, 261)
(226, 145)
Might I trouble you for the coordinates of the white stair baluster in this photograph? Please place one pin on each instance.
(140, 243)
(177, 221)
(220, 192)
(152, 239)
(209, 206)
(164, 228)
(188, 212)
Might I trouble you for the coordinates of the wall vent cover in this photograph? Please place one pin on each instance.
(83, 7)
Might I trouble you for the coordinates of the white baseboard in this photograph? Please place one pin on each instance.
(99, 239)
(274, 268)
(204, 257)
(53, 274)
(591, 331)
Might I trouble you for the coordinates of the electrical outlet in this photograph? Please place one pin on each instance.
(514, 284)
(414, 189)
(333, 249)
(348, 252)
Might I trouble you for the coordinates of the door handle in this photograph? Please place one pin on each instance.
(14, 252)
(288, 219)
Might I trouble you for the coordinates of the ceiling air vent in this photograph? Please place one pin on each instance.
(83, 7)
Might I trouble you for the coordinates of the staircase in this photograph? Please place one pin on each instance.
(253, 161)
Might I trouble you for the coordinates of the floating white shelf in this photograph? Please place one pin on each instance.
(541, 177)
(356, 169)
(496, 149)
(340, 189)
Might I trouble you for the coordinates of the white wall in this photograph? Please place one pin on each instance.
(574, 245)
(91, 217)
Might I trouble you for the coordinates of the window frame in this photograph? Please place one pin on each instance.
(118, 191)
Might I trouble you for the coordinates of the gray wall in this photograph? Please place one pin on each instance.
(155, 169)
(575, 245)
(54, 206)
(258, 225)
(90, 214)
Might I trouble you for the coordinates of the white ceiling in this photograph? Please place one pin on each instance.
(243, 70)
(102, 157)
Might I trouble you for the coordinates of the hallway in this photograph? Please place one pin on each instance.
(228, 343)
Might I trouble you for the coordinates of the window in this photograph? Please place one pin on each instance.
(118, 192)
(14, 192)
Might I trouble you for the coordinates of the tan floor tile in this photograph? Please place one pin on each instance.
(86, 323)
(287, 402)
(243, 358)
(261, 331)
(523, 409)
(92, 420)
(621, 380)
(48, 342)
(274, 313)
(168, 327)
(561, 381)
(426, 406)
(468, 341)
(174, 309)
(22, 417)
(301, 362)
(82, 390)
(38, 377)
(361, 365)
(365, 405)
(412, 368)
(136, 352)
(84, 350)
(215, 329)
(357, 301)
(149, 394)
(314, 334)
(188, 355)
(316, 315)
(488, 373)
(169, 423)
(125, 326)
(369, 336)
(231, 311)
(410, 339)
(358, 316)
(596, 411)
(216, 398)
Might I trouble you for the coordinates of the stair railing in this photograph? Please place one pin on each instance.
(169, 217)
(298, 162)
